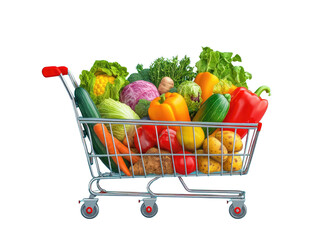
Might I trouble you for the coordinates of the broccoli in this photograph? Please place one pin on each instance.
(134, 77)
(142, 74)
(173, 89)
(141, 108)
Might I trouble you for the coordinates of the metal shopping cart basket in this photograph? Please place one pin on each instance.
(149, 207)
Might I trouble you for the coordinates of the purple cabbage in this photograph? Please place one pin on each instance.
(137, 90)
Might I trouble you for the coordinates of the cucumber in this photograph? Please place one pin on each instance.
(89, 110)
(85, 103)
(214, 109)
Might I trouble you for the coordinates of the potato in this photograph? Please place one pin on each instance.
(152, 163)
(215, 147)
(237, 163)
(165, 85)
(202, 163)
(228, 141)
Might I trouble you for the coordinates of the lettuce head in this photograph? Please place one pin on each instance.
(104, 80)
(110, 108)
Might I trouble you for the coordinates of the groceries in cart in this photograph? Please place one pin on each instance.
(157, 102)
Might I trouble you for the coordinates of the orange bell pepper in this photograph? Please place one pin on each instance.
(207, 82)
(233, 87)
(169, 107)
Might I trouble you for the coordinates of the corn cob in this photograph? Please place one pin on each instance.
(100, 83)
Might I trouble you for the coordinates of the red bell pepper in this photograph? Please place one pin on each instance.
(246, 107)
(145, 141)
(164, 139)
(151, 131)
(147, 137)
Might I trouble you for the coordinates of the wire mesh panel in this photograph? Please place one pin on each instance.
(144, 148)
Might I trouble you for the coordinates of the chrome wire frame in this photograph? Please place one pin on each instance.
(98, 175)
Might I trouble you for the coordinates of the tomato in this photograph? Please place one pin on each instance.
(180, 164)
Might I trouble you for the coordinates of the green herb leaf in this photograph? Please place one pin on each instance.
(178, 70)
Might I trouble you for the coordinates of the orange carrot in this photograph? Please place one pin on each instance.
(129, 140)
(98, 129)
(124, 150)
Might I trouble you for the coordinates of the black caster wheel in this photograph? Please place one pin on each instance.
(237, 212)
(149, 211)
(89, 212)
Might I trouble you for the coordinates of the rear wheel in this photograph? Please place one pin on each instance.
(89, 212)
(149, 211)
(237, 212)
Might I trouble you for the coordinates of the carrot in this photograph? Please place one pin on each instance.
(121, 148)
(98, 129)
(124, 150)
(129, 140)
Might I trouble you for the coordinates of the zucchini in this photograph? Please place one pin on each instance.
(214, 109)
(89, 110)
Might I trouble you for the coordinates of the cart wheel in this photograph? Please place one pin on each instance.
(237, 212)
(89, 212)
(149, 211)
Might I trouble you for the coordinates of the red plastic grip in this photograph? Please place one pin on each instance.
(53, 71)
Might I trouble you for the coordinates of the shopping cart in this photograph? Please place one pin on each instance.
(149, 207)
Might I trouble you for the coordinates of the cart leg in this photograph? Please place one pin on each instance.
(102, 190)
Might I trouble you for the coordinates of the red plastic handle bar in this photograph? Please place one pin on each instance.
(53, 71)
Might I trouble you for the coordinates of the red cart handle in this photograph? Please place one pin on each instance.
(53, 71)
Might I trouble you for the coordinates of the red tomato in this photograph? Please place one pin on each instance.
(180, 164)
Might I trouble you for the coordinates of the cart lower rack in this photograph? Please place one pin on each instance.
(215, 162)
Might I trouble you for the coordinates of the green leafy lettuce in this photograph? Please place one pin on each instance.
(220, 64)
(112, 89)
(110, 108)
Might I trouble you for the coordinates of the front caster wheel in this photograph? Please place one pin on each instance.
(149, 211)
(237, 212)
(89, 212)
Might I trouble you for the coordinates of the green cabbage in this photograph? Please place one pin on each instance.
(110, 108)
(192, 93)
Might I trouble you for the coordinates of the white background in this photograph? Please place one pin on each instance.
(43, 167)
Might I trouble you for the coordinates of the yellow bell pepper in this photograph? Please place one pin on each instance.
(190, 140)
(169, 107)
